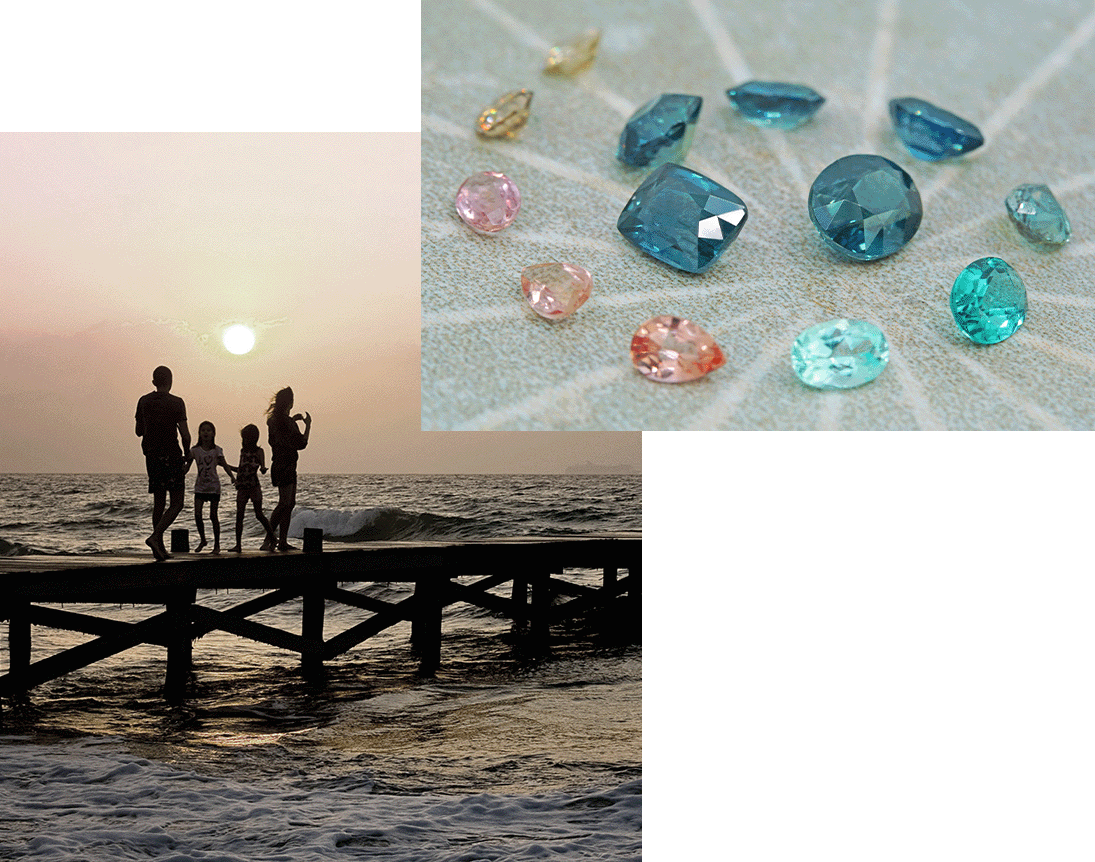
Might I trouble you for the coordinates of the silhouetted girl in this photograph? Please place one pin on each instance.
(207, 486)
(285, 441)
(252, 461)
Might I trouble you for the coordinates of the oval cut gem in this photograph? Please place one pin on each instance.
(930, 133)
(865, 207)
(1038, 216)
(488, 202)
(555, 290)
(774, 104)
(660, 131)
(988, 301)
(682, 218)
(840, 354)
(671, 349)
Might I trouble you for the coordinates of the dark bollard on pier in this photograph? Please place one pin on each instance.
(313, 540)
(180, 541)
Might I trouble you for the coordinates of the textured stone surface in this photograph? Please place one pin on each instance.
(930, 133)
(506, 117)
(671, 349)
(1038, 216)
(774, 104)
(840, 354)
(556, 290)
(660, 131)
(988, 301)
(488, 202)
(682, 218)
(865, 207)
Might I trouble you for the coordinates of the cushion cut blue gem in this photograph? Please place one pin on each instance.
(682, 218)
(865, 207)
(660, 131)
(773, 104)
(930, 133)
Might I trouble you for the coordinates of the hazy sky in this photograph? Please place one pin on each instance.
(121, 252)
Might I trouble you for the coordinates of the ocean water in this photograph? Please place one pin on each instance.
(499, 755)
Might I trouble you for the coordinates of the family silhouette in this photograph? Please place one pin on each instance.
(161, 423)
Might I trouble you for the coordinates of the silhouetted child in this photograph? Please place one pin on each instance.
(252, 461)
(207, 486)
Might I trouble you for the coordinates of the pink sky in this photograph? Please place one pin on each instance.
(120, 252)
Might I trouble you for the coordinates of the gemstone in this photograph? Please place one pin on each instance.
(488, 202)
(988, 301)
(865, 207)
(573, 56)
(773, 104)
(660, 131)
(555, 290)
(674, 350)
(1038, 216)
(930, 133)
(840, 354)
(682, 218)
(506, 117)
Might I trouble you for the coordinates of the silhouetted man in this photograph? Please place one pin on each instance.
(161, 419)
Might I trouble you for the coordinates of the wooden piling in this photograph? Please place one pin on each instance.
(519, 602)
(426, 624)
(540, 609)
(19, 646)
(311, 629)
(179, 644)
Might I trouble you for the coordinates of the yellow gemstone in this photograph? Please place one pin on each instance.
(574, 56)
(506, 117)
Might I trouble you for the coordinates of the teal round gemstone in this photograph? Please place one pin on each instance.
(988, 301)
(865, 207)
(840, 354)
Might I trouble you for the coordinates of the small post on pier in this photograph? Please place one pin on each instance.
(179, 644)
(313, 540)
(311, 629)
(180, 541)
(18, 645)
(426, 624)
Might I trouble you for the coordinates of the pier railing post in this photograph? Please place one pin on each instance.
(179, 644)
(311, 629)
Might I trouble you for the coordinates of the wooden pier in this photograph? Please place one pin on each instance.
(539, 594)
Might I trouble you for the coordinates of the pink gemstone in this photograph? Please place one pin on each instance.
(674, 350)
(488, 202)
(555, 290)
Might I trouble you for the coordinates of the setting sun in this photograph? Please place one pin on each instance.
(239, 339)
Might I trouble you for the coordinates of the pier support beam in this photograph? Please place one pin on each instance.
(311, 629)
(540, 609)
(519, 599)
(19, 645)
(429, 594)
(179, 644)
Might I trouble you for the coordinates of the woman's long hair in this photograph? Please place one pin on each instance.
(280, 402)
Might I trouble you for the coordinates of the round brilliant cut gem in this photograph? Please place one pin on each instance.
(488, 202)
(555, 290)
(865, 207)
(840, 354)
(774, 104)
(988, 301)
(671, 349)
(1038, 216)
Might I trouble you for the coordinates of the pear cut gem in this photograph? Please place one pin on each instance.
(840, 354)
(774, 104)
(556, 290)
(506, 117)
(1038, 216)
(574, 56)
(671, 349)
(988, 301)
(930, 133)
(660, 131)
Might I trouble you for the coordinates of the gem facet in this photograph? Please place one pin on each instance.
(660, 131)
(674, 350)
(555, 290)
(865, 207)
(575, 55)
(773, 104)
(1038, 216)
(506, 117)
(930, 133)
(840, 354)
(682, 218)
(988, 301)
(488, 202)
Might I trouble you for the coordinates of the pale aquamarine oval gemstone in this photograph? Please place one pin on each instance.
(1038, 216)
(988, 301)
(775, 104)
(840, 354)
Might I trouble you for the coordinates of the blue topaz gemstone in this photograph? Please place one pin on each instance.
(840, 354)
(776, 105)
(660, 131)
(930, 133)
(1037, 216)
(988, 301)
(682, 218)
(865, 207)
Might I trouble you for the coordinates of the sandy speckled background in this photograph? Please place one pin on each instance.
(1023, 72)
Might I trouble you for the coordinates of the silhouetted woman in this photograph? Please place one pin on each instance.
(285, 441)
